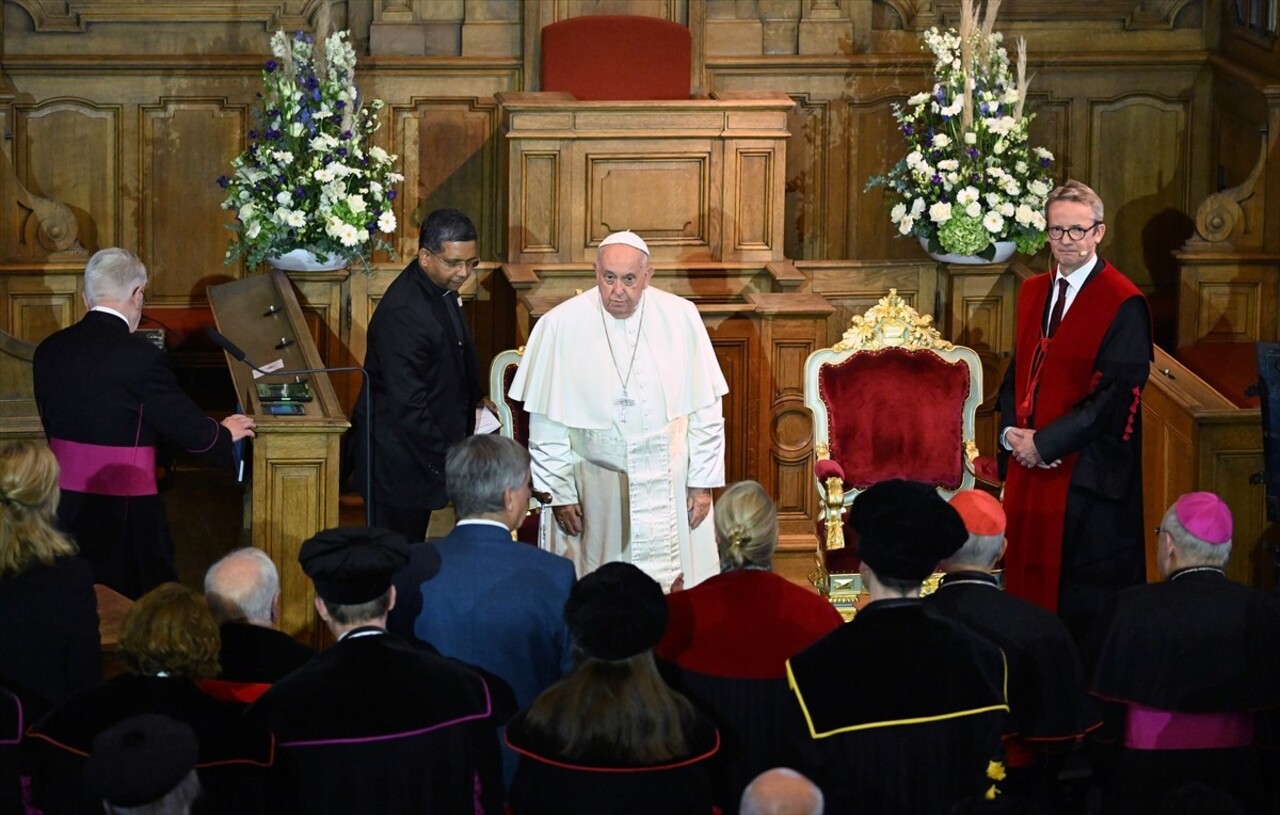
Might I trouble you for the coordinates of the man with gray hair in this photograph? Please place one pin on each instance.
(626, 428)
(781, 791)
(107, 399)
(243, 592)
(1185, 668)
(477, 595)
(1049, 710)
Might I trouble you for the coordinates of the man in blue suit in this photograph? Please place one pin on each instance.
(477, 595)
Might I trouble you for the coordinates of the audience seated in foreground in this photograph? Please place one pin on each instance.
(1049, 708)
(54, 652)
(1186, 669)
(781, 791)
(376, 724)
(728, 640)
(145, 765)
(243, 592)
(477, 595)
(612, 736)
(904, 708)
(169, 641)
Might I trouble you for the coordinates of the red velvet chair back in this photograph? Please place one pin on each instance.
(608, 57)
(896, 413)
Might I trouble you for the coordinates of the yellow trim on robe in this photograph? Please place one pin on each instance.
(791, 682)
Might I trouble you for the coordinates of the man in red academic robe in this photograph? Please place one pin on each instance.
(1070, 415)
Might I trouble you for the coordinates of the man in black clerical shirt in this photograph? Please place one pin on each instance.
(421, 361)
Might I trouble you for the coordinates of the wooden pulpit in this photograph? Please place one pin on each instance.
(294, 470)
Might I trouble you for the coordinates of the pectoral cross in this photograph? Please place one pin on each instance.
(623, 402)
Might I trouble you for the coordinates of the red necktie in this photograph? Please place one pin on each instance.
(1058, 306)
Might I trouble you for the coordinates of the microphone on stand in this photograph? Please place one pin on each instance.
(239, 356)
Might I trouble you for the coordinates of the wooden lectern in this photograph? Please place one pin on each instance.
(294, 473)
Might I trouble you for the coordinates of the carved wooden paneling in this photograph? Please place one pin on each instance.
(449, 159)
(539, 227)
(749, 192)
(735, 354)
(1227, 299)
(1140, 164)
(35, 306)
(69, 150)
(667, 198)
(875, 145)
(810, 163)
(852, 287)
(185, 145)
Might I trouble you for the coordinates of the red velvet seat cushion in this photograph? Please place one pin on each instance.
(528, 529)
(603, 57)
(896, 413)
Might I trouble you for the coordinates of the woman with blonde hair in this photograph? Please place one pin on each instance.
(729, 637)
(169, 640)
(54, 650)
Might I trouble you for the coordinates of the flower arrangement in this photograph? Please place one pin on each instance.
(311, 177)
(969, 177)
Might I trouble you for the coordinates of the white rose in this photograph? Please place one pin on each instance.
(999, 147)
(1006, 209)
(993, 222)
(941, 140)
(914, 158)
(907, 224)
(252, 230)
(948, 164)
(967, 196)
(973, 210)
(247, 212)
(898, 212)
(283, 197)
(296, 129)
(940, 212)
(1024, 215)
(357, 204)
(970, 137)
(1037, 220)
(917, 207)
(1038, 188)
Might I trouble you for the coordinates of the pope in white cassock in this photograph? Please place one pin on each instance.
(626, 430)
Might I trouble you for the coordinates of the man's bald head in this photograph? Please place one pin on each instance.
(243, 586)
(781, 791)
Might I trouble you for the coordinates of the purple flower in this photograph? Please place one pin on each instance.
(346, 135)
(271, 66)
(908, 130)
(391, 195)
(1044, 162)
(223, 181)
(973, 152)
(342, 152)
(936, 180)
(253, 134)
(299, 192)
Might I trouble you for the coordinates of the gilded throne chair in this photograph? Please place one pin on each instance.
(891, 399)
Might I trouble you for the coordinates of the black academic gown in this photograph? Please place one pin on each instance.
(905, 710)
(96, 383)
(1103, 533)
(252, 657)
(376, 725)
(1048, 703)
(232, 761)
(1196, 643)
(548, 782)
(49, 646)
(425, 385)
(11, 725)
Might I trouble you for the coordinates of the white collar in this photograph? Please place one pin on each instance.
(110, 310)
(483, 522)
(1076, 279)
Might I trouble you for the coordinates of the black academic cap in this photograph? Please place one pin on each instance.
(140, 760)
(616, 612)
(904, 528)
(354, 564)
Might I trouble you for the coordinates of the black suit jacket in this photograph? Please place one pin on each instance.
(425, 388)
